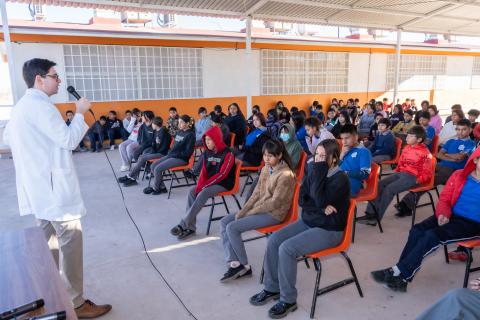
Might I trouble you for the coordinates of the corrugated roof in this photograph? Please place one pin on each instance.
(459, 17)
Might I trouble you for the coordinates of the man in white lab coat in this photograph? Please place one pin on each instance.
(47, 183)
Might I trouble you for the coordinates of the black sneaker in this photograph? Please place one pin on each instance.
(130, 182)
(281, 310)
(185, 234)
(263, 297)
(148, 190)
(234, 273)
(372, 221)
(175, 231)
(123, 179)
(160, 191)
(382, 276)
(247, 274)
(403, 210)
(397, 284)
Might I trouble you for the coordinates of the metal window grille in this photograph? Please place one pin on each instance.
(475, 82)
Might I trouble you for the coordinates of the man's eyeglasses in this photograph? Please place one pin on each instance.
(53, 76)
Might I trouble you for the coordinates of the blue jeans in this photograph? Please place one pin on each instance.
(94, 138)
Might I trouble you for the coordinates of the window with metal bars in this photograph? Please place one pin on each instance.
(301, 72)
(109, 73)
(475, 81)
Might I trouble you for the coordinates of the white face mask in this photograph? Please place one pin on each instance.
(285, 137)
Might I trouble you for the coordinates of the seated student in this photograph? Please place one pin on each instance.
(294, 109)
(172, 121)
(145, 135)
(313, 109)
(366, 121)
(236, 123)
(453, 156)
(128, 147)
(298, 122)
(460, 303)
(324, 198)
(268, 205)
(355, 159)
(179, 155)
(383, 147)
(352, 110)
(414, 167)
(379, 108)
(217, 110)
(158, 148)
(424, 121)
(435, 119)
(402, 128)
(285, 116)
(331, 118)
(315, 134)
(96, 134)
(201, 126)
(448, 131)
(454, 107)
(316, 110)
(397, 115)
(251, 152)
(126, 119)
(70, 115)
(343, 119)
(115, 129)
(255, 109)
(273, 123)
(387, 105)
(217, 175)
(473, 116)
(457, 217)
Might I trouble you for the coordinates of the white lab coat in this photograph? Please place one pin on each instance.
(42, 144)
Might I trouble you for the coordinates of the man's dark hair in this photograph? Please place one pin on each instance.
(410, 112)
(419, 132)
(385, 121)
(217, 108)
(312, 122)
(103, 118)
(293, 109)
(113, 112)
(136, 111)
(158, 121)
(128, 111)
(474, 113)
(464, 122)
(202, 109)
(216, 118)
(35, 67)
(68, 111)
(172, 109)
(349, 128)
(424, 114)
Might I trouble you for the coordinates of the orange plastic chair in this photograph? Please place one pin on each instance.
(424, 188)
(469, 245)
(340, 143)
(435, 146)
(398, 152)
(341, 248)
(233, 192)
(369, 193)
(300, 172)
(183, 168)
(250, 171)
(232, 140)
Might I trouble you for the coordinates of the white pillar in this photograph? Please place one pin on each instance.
(8, 46)
(397, 65)
(248, 60)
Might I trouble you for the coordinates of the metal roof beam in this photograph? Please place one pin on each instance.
(255, 7)
(431, 14)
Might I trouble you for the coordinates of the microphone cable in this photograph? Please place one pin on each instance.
(141, 235)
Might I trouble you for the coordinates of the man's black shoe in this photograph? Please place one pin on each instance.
(175, 231)
(263, 297)
(397, 284)
(130, 182)
(382, 276)
(281, 310)
(403, 210)
(234, 273)
(123, 179)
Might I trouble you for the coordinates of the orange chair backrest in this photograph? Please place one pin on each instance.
(238, 167)
(232, 139)
(372, 181)
(301, 167)
(347, 235)
(398, 148)
(340, 143)
(292, 214)
(191, 160)
(435, 146)
(172, 142)
(432, 179)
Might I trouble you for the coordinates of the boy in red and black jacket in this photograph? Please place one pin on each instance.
(457, 217)
(414, 168)
(217, 175)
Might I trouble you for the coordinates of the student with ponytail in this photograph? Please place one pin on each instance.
(268, 205)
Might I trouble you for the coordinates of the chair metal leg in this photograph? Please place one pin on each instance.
(377, 217)
(398, 198)
(438, 193)
(318, 268)
(467, 267)
(306, 263)
(262, 273)
(225, 204)
(238, 203)
(414, 211)
(354, 275)
(170, 189)
(354, 224)
(431, 201)
(211, 215)
(445, 250)
(246, 183)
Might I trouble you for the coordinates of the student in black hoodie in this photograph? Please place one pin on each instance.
(343, 119)
(251, 152)
(145, 134)
(96, 134)
(236, 123)
(115, 129)
(158, 149)
(324, 198)
(179, 155)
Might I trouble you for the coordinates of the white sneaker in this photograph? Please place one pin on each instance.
(112, 147)
(124, 168)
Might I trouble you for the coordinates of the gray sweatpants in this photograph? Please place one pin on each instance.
(140, 164)
(232, 230)
(388, 188)
(381, 157)
(455, 304)
(158, 167)
(127, 149)
(283, 249)
(442, 173)
(196, 203)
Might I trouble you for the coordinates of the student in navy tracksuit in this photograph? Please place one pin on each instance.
(179, 155)
(383, 147)
(96, 134)
(145, 134)
(115, 129)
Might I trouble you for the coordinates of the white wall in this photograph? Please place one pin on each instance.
(378, 72)
(224, 73)
(458, 73)
(26, 51)
(358, 72)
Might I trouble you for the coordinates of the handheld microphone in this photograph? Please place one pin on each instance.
(18, 311)
(75, 94)
(62, 315)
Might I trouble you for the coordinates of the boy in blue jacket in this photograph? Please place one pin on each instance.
(383, 147)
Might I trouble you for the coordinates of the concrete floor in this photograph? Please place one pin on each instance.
(117, 270)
